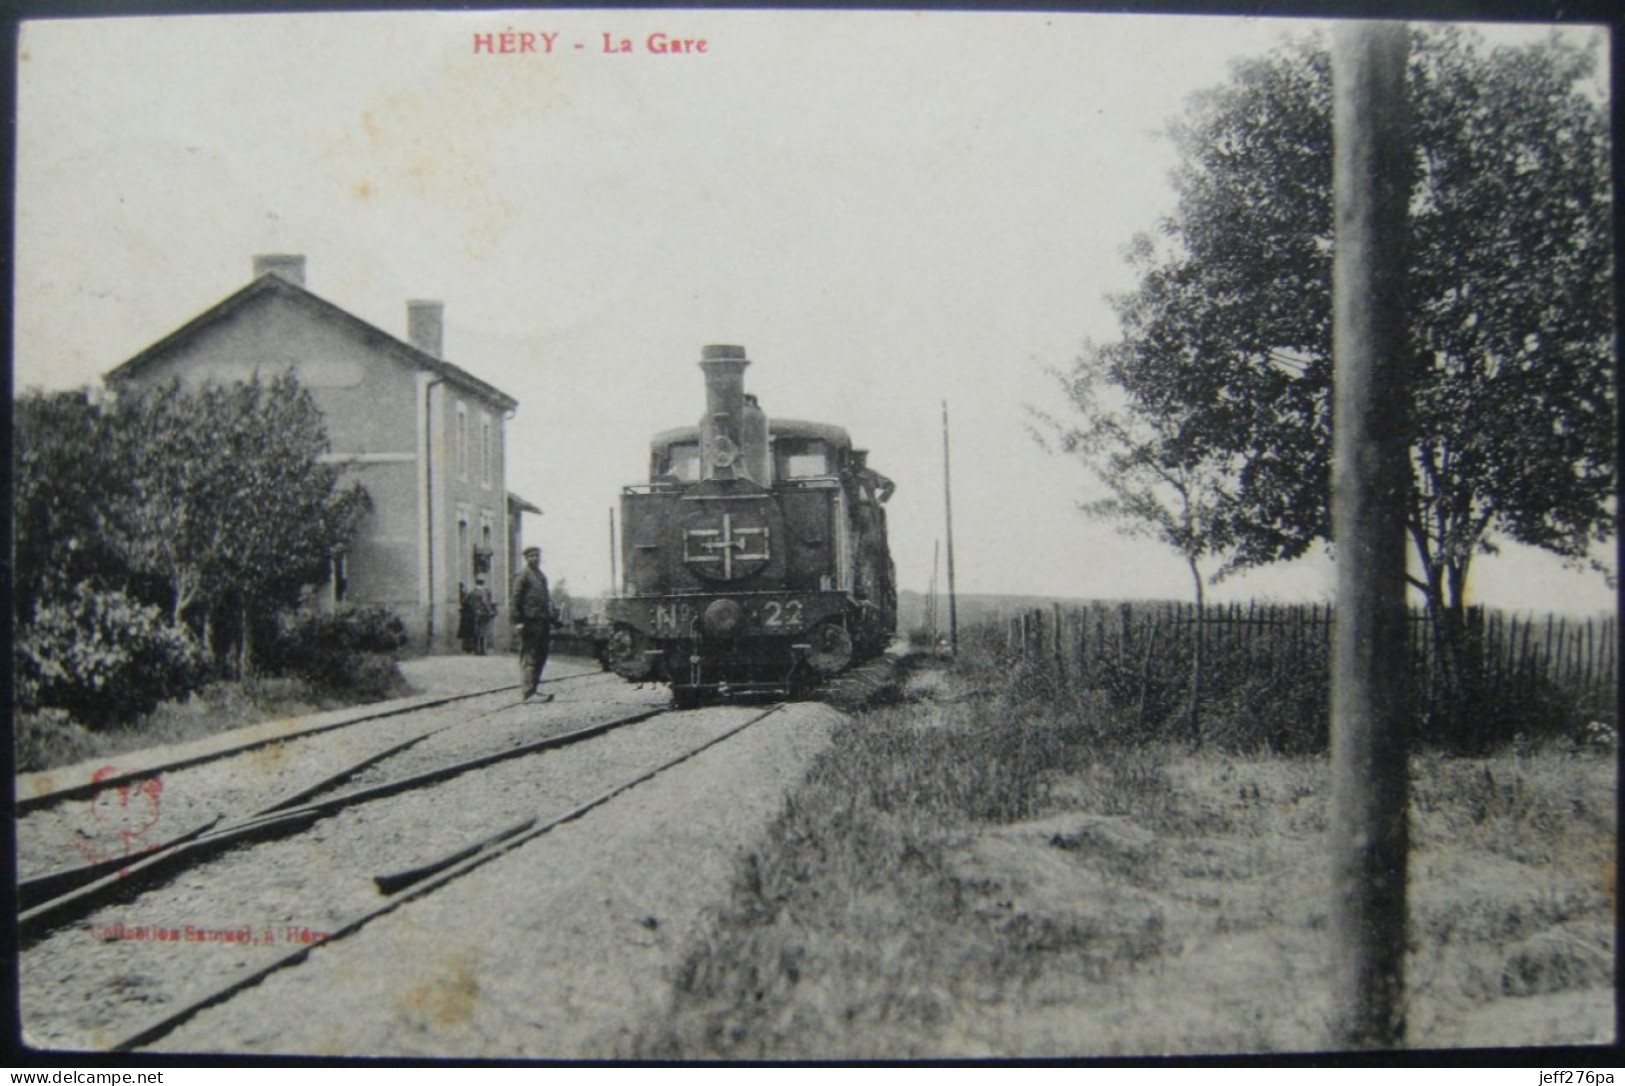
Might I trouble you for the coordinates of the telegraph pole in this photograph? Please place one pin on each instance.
(614, 582)
(948, 505)
(931, 596)
(1370, 486)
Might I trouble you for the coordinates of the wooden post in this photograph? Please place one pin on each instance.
(931, 597)
(614, 576)
(1080, 673)
(1607, 674)
(1370, 485)
(948, 509)
(1145, 667)
(1495, 670)
(1059, 648)
(1198, 665)
(1590, 659)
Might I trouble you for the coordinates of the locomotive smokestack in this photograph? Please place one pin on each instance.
(721, 431)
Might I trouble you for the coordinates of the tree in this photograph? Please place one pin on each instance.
(66, 490)
(171, 512)
(1228, 332)
(230, 500)
(87, 640)
(1163, 482)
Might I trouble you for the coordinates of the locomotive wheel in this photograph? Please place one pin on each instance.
(624, 650)
(829, 648)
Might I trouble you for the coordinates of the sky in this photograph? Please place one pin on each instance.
(891, 212)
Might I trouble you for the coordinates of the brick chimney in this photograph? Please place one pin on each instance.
(423, 326)
(289, 266)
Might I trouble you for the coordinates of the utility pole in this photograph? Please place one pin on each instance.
(1370, 486)
(948, 505)
(614, 581)
(931, 596)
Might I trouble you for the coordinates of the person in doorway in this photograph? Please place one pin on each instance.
(465, 617)
(484, 609)
(530, 608)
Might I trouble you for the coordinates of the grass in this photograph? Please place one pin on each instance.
(49, 739)
(993, 869)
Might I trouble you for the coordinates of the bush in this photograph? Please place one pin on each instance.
(349, 652)
(50, 738)
(103, 658)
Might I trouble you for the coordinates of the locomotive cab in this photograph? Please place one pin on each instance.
(755, 556)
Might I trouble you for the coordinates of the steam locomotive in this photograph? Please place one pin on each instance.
(755, 558)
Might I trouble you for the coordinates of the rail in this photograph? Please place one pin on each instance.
(417, 882)
(63, 895)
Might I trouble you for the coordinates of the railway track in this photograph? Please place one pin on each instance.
(52, 899)
(318, 865)
(108, 816)
(404, 886)
(46, 789)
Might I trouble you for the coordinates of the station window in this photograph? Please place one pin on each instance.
(482, 549)
(487, 451)
(462, 440)
(465, 552)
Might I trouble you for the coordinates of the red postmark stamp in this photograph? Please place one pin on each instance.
(120, 815)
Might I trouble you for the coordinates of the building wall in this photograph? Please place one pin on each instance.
(466, 474)
(382, 567)
(372, 400)
(469, 473)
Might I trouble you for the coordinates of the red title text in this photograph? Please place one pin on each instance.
(547, 42)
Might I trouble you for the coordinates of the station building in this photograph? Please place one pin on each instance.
(425, 437)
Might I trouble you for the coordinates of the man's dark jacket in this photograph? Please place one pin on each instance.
(529, 601)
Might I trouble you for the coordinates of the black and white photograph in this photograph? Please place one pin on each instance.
(712, 535)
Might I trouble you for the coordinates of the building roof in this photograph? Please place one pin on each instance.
(521, 505)
(271, 284)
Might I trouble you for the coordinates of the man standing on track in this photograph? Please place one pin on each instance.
(531, 609)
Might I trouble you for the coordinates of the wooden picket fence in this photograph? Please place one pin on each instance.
(1265, 668)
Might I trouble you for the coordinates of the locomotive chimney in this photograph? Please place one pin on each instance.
(721, 436)
(424, 329)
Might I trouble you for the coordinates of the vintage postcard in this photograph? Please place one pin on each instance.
(789, 535)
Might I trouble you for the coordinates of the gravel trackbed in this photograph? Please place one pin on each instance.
(555, 951)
